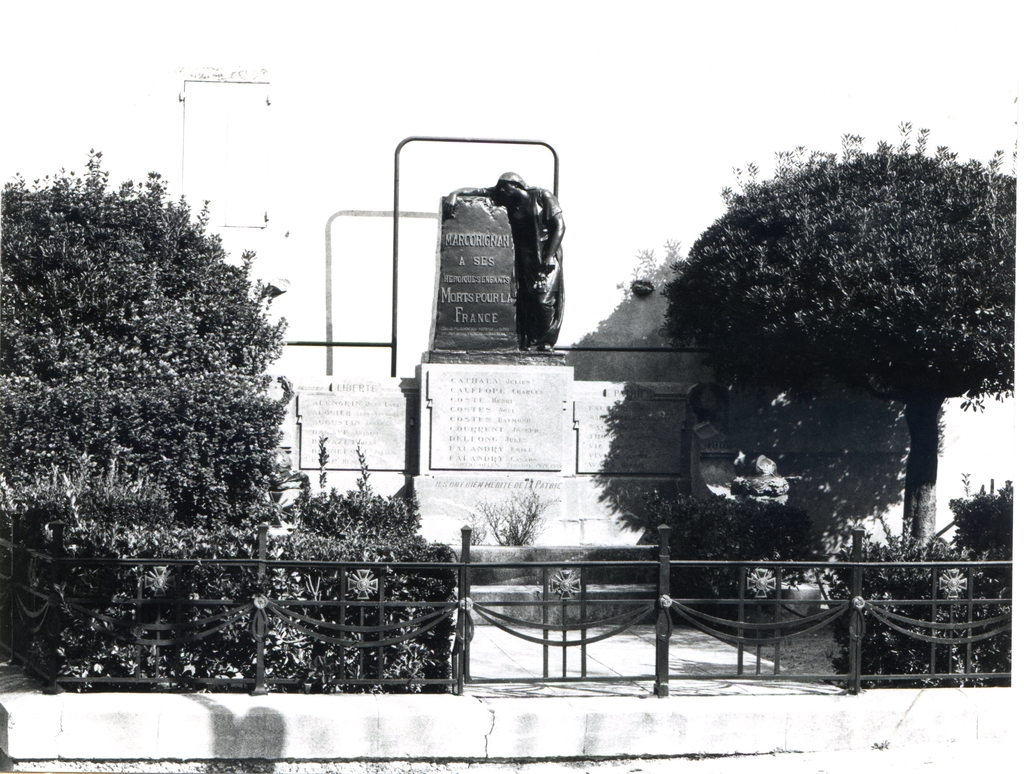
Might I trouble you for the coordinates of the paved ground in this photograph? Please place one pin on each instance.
(931, 759)
(496, 654)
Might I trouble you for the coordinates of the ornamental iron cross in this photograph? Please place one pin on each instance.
(761, 581)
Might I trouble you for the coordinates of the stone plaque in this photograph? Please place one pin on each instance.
(370, 415)
(624, 429)
(476, 286)
(487, 419)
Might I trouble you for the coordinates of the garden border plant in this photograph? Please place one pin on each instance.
(885, 651)
(125, 516)
(130, 337)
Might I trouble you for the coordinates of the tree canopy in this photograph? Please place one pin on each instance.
(891, 271)
(128, 337)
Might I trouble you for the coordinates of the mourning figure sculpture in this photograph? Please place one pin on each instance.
(537, 229)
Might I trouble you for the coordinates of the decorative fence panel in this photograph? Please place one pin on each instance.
(262, 625)
(241, 624)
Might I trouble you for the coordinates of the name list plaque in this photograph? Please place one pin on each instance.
(370, 416)
(629, 429)
(475, 307)
(496, 419)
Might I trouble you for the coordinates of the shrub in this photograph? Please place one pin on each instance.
(426, 657)
(115, 515)
(722, 529)
(128, 336)
(362, 526)
(479, 529)
(359, 516)
(984, 523)
(886, 651)
(515, 521)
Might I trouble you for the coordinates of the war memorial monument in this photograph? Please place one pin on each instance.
(493, 410)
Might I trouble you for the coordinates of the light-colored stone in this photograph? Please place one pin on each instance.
(448, 502)
(488, 419)
(435, 726)
(236, 726)
(536, 728)
(31, 723)
(77, 728)
(936, 715)
(580, 511)
(999, 712)
(370, 415)
(592, 450)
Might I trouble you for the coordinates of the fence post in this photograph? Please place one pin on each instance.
(460, 653)
(259, 618)
(663, 626)
(856, 612)
(56, 599)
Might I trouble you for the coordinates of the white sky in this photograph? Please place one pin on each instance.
(649, 104)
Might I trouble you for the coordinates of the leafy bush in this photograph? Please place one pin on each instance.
(864, 271)
(362, 526)
(425, 657)
(129, 337)
(721, 529)
(886, 651)
(359, 516)
(115, 515)
(984, 523)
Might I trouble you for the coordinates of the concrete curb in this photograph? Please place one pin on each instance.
(208, 727)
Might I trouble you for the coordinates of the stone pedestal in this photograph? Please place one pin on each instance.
(491, 419)
(484, 424)
(488, 433)
(461, 435)
(517, 358)
(591, 451)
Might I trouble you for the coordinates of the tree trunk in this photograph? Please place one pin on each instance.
(922, 417)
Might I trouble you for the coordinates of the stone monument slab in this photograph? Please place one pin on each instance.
(629, 428)
(475, 305)
(372, 415)
(449, 502)
(487, 418)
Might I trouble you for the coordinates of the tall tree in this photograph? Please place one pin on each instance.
(891, 271)
(127, 336)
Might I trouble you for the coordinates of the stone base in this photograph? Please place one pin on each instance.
(295, 733)
(580, 511)
(514, 358)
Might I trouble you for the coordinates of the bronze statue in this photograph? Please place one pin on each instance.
(537, 229)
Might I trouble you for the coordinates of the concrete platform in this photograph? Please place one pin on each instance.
(493, 725)
(199, 732)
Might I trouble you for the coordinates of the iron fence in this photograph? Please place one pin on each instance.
(268, 624)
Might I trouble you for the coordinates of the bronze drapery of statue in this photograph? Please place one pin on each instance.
(537, 229)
